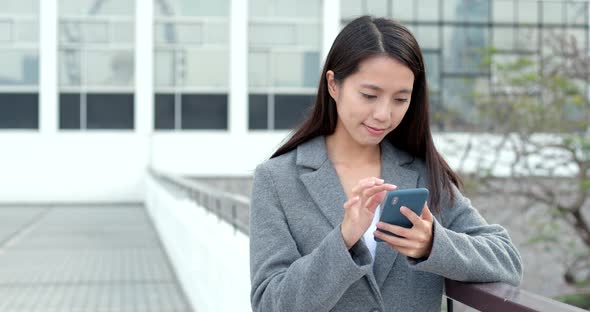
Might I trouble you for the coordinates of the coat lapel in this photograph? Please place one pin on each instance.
(392, 172)
(322, 183)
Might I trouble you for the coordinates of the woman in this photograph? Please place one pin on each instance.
(315, 203)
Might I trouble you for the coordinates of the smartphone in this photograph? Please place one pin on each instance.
(390, 207)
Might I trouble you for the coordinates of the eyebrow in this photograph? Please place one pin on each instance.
(377, 88)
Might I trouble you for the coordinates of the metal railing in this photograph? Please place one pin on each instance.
(234, 209)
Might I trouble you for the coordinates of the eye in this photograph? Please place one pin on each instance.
(369, 96)
(401, 100)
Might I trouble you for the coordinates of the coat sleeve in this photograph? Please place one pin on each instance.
(281, 278)
(469, 249)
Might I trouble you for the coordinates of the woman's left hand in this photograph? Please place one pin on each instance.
(415, 242)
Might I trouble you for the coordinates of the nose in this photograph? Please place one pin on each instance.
(382, 111)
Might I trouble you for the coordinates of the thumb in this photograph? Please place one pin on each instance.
(426, 214)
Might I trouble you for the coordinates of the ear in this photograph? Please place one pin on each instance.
(332, 85)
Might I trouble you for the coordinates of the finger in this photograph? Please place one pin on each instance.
(365, 183)
(351, 202)
(395, 241)
(411, 215)
(395, 229)
(426, 214)
(368, 192)
(374, 201)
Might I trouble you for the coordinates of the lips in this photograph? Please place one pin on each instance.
(374, 131)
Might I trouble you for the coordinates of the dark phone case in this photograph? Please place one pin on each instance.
(411, 198)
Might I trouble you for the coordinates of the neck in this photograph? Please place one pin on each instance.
(344, 150)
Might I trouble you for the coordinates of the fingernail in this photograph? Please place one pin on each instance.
(381, 180)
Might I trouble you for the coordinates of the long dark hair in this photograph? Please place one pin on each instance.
(363, 38)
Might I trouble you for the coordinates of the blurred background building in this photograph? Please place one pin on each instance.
(95, 92)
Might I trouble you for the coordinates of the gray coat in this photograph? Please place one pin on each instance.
(299, 262)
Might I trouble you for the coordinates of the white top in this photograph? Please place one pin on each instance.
(368, 237)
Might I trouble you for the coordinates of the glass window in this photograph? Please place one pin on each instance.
(258, 69)
(465, 48)
(261, 34)
(471, 11)
(164, 117)
(5, 31)
(576, 13)
(91, 7)
(20, 7)
(553, 12)
(427, 36)
(26, 31)
(503, 38)
(429, 10)
(204, 68)
(258, 111)
(204, 111)
(528, 11)
(285, 8)
(351, 8)
(109, 68)
(432, 63)
(69, 111)
(192, 8)
(165, 63)
(109, 111)
(19, 111)
(503, 11)
(376, 7)
(527, 39)
(290, 110)
(403, 10)
(19, 67)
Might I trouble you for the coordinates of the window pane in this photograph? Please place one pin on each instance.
(27, 31)
(576, 12)
(504, 38)
(69, 67)
(109, 111)
(19, 111)
(296, 69)
(191, 8)
(528, 11)
(503, 11)
(179, 33)
(290, 110)
(205, 68)
(164, 113)
(284, 8)
(258, 69)
(204, 111)
(165, 65)
(465, 48)
(69, 111)
(258, 111)
(109, 68)
(432, 64)
(403, 10)
(527, 39)
(308, 35)
(265, 35)
(428, 10)
(20, 7)
(427, 36)
(19, 67)
(351, 8)
(90, 7)
(552, 12)
(5, 31)
(124, 32)
(216, 33)
(472, 10)
(376, 7)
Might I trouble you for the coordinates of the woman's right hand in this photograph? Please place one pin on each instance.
(359, 210)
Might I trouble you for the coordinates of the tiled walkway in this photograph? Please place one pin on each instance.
(88, 258)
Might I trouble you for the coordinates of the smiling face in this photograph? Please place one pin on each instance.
(373, 101)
